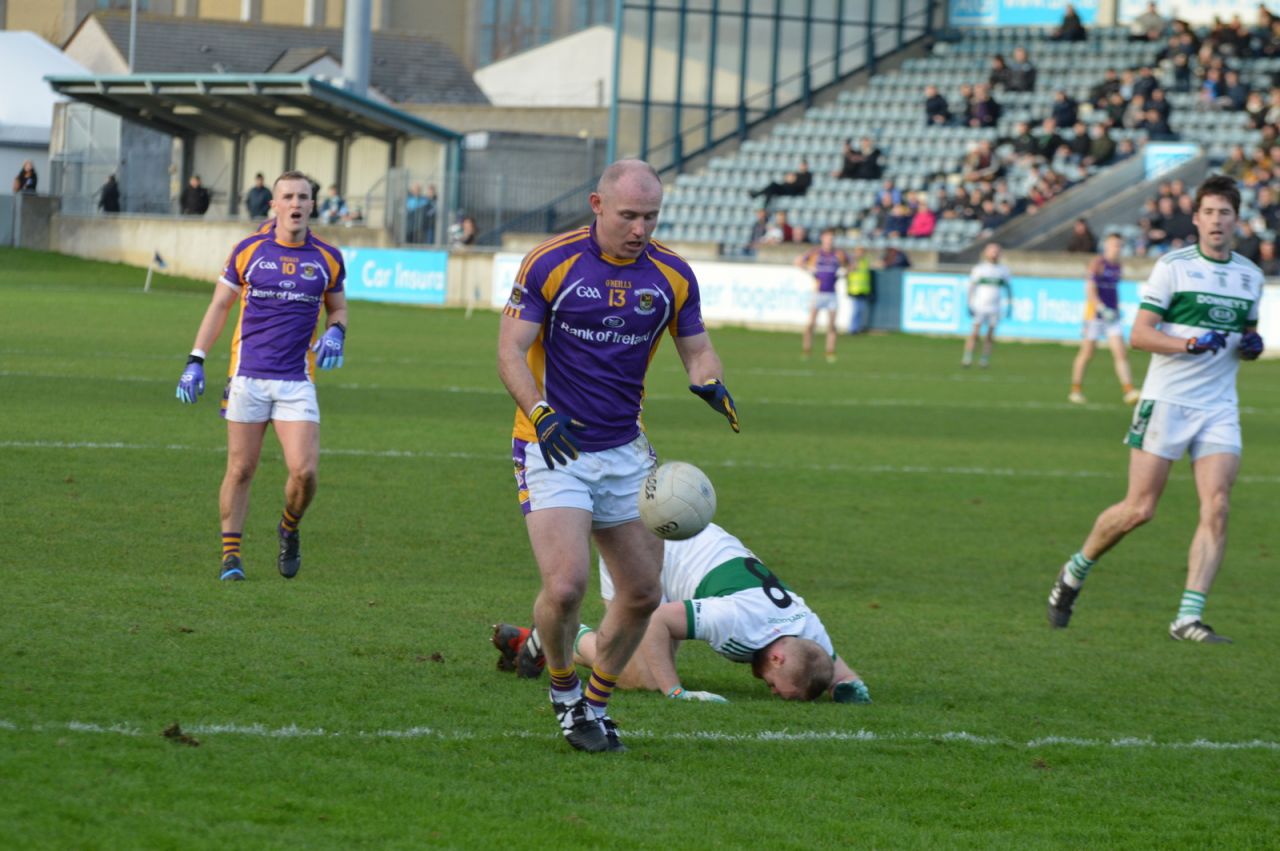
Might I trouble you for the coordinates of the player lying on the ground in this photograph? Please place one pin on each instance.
(714, 590)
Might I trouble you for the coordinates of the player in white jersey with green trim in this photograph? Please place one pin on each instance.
(716, 590)
(988, 281)
(1198, 318)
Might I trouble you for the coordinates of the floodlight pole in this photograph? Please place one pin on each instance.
(133, 31)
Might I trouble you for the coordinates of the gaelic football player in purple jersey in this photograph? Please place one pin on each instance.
(584, 319)
(280, 276)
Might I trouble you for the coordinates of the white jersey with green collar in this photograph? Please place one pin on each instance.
(985, 282)
(732, 601)
(1193, 294)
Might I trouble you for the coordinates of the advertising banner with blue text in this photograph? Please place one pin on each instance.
(1042, 308)
(402, 276)
(1022, 13)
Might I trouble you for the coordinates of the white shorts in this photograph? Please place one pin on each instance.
(606, 483)
(257, 400)
(824, 301)
(1100, 329)
(990, 318)
(1168, 430)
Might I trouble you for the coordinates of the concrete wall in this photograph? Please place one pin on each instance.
(196, 248)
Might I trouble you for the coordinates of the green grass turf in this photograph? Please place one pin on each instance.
(920, 509)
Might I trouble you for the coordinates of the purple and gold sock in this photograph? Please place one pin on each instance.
(289, 523)
(230, 544)
(600, 688)
(565, 685)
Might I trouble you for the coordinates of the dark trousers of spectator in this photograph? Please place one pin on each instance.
(861, 316)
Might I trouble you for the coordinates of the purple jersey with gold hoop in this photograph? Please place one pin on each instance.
(281, 289)
(1106, 278)
(602, 319)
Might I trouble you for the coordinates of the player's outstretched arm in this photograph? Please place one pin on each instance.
(704, 368)
(654, 664)
(191, 384)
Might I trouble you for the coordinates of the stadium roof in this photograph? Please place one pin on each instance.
(404, 68)
(231, 105)
(26, 110)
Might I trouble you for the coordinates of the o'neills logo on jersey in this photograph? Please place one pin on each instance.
(645, 307)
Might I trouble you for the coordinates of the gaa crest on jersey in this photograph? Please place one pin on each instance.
(645, 307)
(308, 271)
(517, 294)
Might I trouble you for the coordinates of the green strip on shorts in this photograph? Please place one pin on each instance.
(1138, 430)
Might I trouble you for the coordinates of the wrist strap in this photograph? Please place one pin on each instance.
(340, 327)
(195, 358)
(539, 410)
(676, 691)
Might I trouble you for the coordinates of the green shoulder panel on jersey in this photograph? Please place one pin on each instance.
(1188, 253)
(739, 574)
(1207, 310)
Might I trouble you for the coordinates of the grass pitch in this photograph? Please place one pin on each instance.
(920, 509)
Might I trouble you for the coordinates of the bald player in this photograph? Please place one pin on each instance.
(585, 317)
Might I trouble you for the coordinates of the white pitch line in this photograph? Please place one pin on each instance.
(924, 404)
(864, 469)
(763, 736)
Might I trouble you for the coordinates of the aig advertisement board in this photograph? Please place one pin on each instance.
(403, 276)
(1022, 13)
(1042, 308)
(733, 293)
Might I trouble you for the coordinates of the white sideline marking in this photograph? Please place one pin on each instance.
(862, 735)
(957, 404)
(869, 469)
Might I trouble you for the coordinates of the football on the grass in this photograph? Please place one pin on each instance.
(677, 501)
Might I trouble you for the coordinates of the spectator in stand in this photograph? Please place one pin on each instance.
(1268, 261)
(892, 258)
(1157, 127)
(965, 115)
(1080, 143)
(109, 196)
(1149, 26)
(257, 201)
(1082, 239)
(1116, 108)
(333, 210)
(1255, 108)
(1135, 113)
(937, 113)
(1145, 83)
(1022, 142)
(420, 212)
(1235, 165)
(466, 233)
(992, 217)
(986, 111)
(1181, 73)
(998, 79)
(1022, 73)
(898, 221)
(27, 179)
(923, 221)
(1212, 92)
(799, 233)
(194, 200)
(889, 194)
(794, 184)
(861, 163)
(1101, 93)
(1047, 139)
(1159, 101)
(1247, 242)
(1268, 207)
(1070, 29)
(780, 231)
(956, 203)
(1102, 148)
(1273, 106)
(1065, 109)
(1235, 92)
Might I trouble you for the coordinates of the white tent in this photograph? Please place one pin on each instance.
(26, 110)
